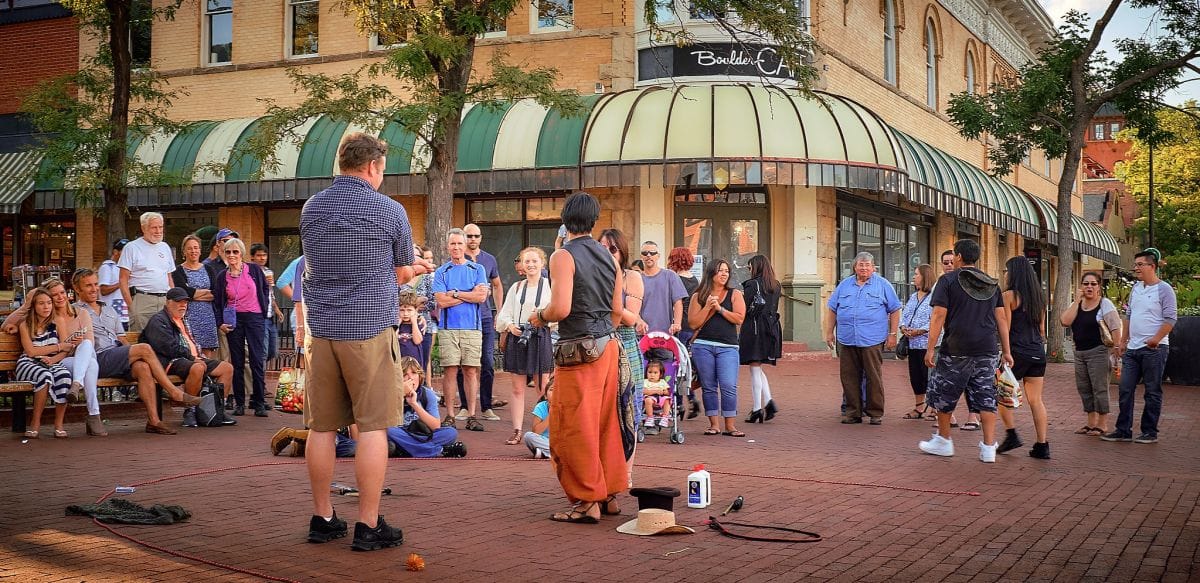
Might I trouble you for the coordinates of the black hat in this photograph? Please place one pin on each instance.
(176, 294)
(120, 244)
(663, 498)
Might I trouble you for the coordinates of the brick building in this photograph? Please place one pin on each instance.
(703, 146)
(1106, 200)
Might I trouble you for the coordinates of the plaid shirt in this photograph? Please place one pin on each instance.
(354, 238)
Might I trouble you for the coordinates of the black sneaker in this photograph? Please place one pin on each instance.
(260, 410)
(1146, 438)
(1011, 441)
(456, 449)
(1041, 450)
(1116, 436)
(323, 531)
(239, 410)
(189, 417)
(380, 537)
(229, 403)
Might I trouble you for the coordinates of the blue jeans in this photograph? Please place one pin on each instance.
(1145, 365)
(248, 333)
(272, 338)
(718, 368)
(487, 372)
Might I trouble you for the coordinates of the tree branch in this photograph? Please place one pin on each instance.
(1143, 76)
(1187, 112)
(1098, 31)
(1059, 124)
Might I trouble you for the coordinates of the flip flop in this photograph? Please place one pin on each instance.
(1095, 431)
(915, 414)
(711, 431)
(733, 433)
(1083, 430)
(970, 426)
(31, 434)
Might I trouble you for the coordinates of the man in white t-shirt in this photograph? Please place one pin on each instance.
(146, 265)
(1143, 347)
(110, 283)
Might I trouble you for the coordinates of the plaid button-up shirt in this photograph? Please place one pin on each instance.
(354, 238)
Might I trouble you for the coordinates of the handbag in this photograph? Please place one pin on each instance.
(419, 430)
(1008, 388)
(211, 410)
(584, 350)
(902, 346)
(1105, 334)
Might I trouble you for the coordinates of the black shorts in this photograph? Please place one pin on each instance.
(1028, 366)
(114, 362)
(181, 367)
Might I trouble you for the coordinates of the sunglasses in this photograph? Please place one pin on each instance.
(474, 236)
(1140, 264)
(649, 253)
(948, 263)
(232, 252)
(1089, 284)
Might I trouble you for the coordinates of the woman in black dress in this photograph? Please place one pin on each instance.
(761, 338)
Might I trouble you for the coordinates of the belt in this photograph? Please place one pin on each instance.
(135, 291)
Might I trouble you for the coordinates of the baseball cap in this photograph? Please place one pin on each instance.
(176, 294)
(227, 233)
(120, 244)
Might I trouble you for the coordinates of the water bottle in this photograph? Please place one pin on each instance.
(699, 487)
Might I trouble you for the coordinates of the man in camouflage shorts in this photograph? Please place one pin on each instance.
(969, 304)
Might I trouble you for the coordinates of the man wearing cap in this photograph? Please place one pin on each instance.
(167, 333)
(146, 264)
(217, 247)
(110, 283)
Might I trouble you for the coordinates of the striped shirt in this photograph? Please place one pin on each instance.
(353, 238)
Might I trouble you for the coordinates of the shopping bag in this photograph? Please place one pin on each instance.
(1008, 388)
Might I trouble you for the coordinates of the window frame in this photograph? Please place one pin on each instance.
(206, 36)
(891, 52)
(931, 65)
(535, 21)
(970, 72)
(289, 43)
(134, 63)
(1098, 131)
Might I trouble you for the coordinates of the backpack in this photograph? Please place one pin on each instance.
(211, 410)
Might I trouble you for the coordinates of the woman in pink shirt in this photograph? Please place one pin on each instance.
(240, 305)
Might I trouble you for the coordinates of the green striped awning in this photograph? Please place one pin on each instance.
(16, 180)
(975, 195)
(1090, 239)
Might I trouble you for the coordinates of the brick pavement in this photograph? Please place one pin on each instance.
(1096, 512)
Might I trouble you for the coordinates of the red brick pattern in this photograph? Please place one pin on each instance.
(1096, 512)
(32, 52)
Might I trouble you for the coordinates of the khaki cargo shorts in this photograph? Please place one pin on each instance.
(352, 381)
(460, 347)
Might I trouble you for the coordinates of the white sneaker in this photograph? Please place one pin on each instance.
(490, 415)
(987, 453)
(462, 414)
(664, 421)
(541, 454)
(938, 445)
(649, 422)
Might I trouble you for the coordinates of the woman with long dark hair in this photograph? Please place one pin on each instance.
(914, 325)
(761, 337)
(629, 398)
(1026, 305)
(716, 311)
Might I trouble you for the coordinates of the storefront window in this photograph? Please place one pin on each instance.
(898, 246)
(50, 243)
(178, 224)
(510, 225)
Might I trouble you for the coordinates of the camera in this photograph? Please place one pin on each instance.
(526, 335)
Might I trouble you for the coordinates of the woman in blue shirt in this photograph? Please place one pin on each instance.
(914, 325)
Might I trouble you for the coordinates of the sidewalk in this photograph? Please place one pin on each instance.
(1096, 512)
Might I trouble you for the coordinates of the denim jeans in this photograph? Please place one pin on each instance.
(487, 369)
(247, 336)
(718, 368)
(1145, 365)
(272, 338)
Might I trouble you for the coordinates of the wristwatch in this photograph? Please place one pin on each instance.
(455, 294)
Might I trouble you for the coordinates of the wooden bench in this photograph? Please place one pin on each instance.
(10, 351)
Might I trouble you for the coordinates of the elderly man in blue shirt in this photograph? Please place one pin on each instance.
(866, 311)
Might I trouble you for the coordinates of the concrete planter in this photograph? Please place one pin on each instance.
(1183, 364)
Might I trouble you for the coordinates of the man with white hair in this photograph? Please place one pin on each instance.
(146, 266)
(866, 312)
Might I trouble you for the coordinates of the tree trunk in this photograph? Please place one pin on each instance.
(115, 196)
(439, 203)
(1064, 283)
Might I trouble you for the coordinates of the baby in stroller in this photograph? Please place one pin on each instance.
(657, 398)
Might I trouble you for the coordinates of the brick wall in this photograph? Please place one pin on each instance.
(57, 47)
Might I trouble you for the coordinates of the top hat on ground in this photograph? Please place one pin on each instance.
(662, 497)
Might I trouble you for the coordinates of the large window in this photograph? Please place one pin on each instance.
(555, 14)
(512, 224)
(303, 30)
(1098, 131)
(931, 73)
(889, 41)
(664, 11)
(141, 24)
(218, 18)
(898, 245)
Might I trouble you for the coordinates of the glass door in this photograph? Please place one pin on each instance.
(730, 226)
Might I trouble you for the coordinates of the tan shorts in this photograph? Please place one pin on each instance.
(352, 381)
(144, 306)
(460, 347)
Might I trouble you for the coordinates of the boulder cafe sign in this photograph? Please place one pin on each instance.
(711, 60)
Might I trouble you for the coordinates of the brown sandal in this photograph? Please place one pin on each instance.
(609, 507)
(578, 514)
(516, 438)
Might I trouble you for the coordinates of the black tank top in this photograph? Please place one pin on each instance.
(592, 292)
(1085, 329)
(718, 329)
(1024, 336)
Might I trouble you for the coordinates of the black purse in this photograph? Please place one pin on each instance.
(419, 430)
(902, 346)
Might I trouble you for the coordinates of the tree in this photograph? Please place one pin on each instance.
(91, 114)
(436, 73)
(1176, 188)
(1059, 93)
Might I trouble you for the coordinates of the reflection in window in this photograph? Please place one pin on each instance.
(1113, 128)
(664, 11)
(744, 243)
(543, 209)
(141, 23)
(305, 17)
(555, 13)
(391, 36)
(846, 246)
(220, 31)
(496, 211)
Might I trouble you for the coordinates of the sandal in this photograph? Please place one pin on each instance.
(448, 421)
(61, 433)
(515, 439)
(971, 426)
(1083, 430)
(916, 413)
(473, 424)
(711, 431)
(577, 514)
(31, 434)
(609, 507)
(1095, 431)
(498, 403)
(734, 433)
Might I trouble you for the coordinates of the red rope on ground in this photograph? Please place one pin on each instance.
(252, 573)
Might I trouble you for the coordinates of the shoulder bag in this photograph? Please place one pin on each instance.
(902, 346)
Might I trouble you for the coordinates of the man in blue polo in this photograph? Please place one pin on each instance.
(460, 287)
(358, 248)
(866, 311)
(487, 372)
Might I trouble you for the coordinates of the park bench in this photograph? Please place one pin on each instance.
(10, 351)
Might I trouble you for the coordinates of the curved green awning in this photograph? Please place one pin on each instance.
(17, 170)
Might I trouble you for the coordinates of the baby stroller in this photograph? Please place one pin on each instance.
(677, 370)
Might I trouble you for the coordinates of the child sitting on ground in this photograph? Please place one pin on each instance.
(657, 397)
(538, 440)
